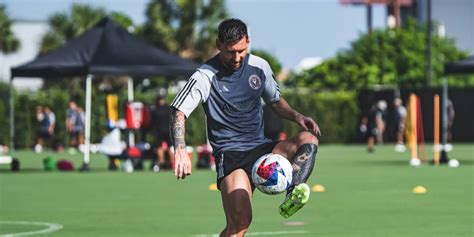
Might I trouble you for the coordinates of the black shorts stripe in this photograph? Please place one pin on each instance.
(185, 91)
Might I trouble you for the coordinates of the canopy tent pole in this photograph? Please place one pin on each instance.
(12, 118)
(130, 89)
(131, 135)
(87, 135)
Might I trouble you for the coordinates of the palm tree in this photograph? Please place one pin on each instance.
(188, 28)
(66, 26)
(81, 18)
(8, 42)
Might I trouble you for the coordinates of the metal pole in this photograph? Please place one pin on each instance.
(369, 18)
(428, 44)
(444, 111)
(87, 135)
(12, 117)
(396, 12)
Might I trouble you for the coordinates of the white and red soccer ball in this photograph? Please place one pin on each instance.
(272, 174)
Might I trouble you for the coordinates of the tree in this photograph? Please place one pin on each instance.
(188, 28)
(272, 60)
(82, 17)
(66, 26)
(8, 42)
(384, 57)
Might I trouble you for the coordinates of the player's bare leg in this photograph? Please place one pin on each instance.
(236, 192)
(370, 143)
(160, 153)
(302, 149)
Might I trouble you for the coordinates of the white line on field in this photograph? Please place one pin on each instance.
(297, 232)
(52, 227)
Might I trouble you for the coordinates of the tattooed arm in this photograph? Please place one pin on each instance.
(182, 162)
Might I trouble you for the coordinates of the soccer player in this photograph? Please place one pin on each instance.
(230, 87)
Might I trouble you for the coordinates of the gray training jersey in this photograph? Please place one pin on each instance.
(231, 101)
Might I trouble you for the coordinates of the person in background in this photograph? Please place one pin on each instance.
(47, 120)
(400, 120)
(81, 126)
(451, 114)
(39, 134)
(74, 125)
(161, 113)
(376, 124)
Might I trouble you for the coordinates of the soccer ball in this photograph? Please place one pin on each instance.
(272, 174)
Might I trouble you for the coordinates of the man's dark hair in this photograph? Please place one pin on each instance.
(231, 30)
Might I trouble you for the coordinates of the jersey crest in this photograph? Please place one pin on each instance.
(255, 82)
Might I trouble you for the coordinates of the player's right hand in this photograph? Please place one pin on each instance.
(182, 164)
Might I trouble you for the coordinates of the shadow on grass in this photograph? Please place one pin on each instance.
(382, 163)
(466, 162)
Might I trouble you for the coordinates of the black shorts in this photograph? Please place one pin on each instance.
(162, 137)
(372, 131)
(228, 161)
(44, 134)
(74, 134)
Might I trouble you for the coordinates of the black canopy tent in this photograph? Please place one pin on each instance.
(106, 49)
(465, 66)
(109, 49)
(461, 66)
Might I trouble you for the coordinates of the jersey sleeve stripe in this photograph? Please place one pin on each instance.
(183, 93)
(187, 93)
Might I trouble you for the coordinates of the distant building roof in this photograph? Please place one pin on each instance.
(29, 33)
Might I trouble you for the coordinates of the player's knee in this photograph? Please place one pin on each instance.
(306, 137)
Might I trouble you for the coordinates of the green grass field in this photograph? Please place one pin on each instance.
(366, 195)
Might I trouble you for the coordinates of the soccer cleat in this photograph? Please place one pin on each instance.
(295, 200)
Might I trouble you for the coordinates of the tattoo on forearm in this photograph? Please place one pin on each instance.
(177, 129)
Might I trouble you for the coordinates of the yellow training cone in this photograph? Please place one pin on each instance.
(212, 187)
(318, 188)
(419, 190)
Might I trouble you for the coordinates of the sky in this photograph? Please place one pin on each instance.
(289, 29)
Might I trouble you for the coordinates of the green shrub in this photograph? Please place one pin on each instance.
(335, 112)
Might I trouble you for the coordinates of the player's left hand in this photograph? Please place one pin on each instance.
(182, 164)
(308, 124)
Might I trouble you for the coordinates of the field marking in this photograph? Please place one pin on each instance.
(296, 232)
(294, 223)
(52, 227)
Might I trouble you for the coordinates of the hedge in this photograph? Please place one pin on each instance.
(335, 112)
